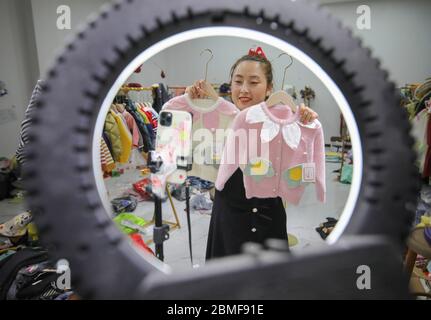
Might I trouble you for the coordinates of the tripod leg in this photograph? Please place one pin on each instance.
(173, 208)
(157, 228)
(188, 220)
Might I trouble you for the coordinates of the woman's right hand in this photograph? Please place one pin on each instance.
(194, 91)
(201, 89)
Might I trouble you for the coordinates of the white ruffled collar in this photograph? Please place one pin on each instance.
(290, 126)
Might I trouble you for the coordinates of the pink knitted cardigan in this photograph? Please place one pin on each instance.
(273, 153)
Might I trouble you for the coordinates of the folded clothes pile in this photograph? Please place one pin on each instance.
(200, 184)
(197, 185)
(201, 202)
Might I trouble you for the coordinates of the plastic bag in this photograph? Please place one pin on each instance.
(201, 202)
(346, 174)
(129, 223)
(143, 188)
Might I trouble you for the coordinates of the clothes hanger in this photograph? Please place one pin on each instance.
(213, 96)
(206, 66)
(281, 96)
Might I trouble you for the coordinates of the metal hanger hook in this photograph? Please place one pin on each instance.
(285, 69)
(206, 67)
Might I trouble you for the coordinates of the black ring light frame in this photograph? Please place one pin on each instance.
(72, 220)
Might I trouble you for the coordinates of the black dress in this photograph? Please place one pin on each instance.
(236, 219)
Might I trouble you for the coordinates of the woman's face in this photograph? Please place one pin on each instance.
(249, 85)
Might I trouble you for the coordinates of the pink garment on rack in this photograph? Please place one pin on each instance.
(133, 127)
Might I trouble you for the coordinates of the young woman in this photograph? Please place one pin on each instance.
(236, 219)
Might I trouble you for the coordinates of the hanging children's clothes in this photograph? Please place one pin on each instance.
(147, 142)
(209, 127)
(419, 131)
(108, 143)
(152, 114)
(146, 118)
(277, 154)
(133, 127)
(119, 113)
(125, 138)
(160, 96)
(113, 132)
(105, 157)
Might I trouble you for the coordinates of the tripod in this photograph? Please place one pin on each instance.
(161, 230)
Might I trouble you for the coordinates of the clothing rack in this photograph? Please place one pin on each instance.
(215, 86)
(123, 91)
(126, 89)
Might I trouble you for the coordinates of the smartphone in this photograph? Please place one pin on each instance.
(174, 133)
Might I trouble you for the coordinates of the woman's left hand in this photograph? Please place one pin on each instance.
(306, 115)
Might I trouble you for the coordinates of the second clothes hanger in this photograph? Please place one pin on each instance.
(208, 87)
(281, 96)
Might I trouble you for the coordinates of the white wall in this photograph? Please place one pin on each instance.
(49, 38)
(30, 40)
(399, 35)
(18, 69)
(184, 65)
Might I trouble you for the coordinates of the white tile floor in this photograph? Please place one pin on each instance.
(301, 220)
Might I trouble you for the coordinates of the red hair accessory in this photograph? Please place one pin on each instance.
(256, 52)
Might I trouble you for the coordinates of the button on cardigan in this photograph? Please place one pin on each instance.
(273, 150)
